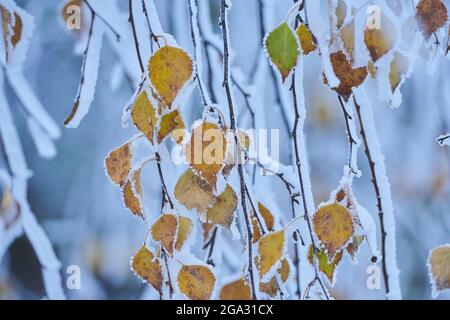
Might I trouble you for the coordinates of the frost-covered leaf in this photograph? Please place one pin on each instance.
(118, 164)
(223, 209)
(132, 192)
(143, 115)
(12, 29)
(333, 225)
(349, 78)
(271, 287)
(325, 266)
(196, 282)
(353, 246)
(399, 67)
(306, 39)
(147, 267)
(169, 123)
(268, 220)
(380, 41)
(431, 15)
(206, 151)
(170, 69)
(184, 231)
(270, 251)
(164, 231)
(439, 269)
(348, 38)
(236, 290)
(193, 192)
(282, 48)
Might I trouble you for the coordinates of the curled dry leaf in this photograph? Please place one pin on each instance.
(193, 192)
(170, 69)
(439, 268)
(349, 78)
(236, 290)
(223, 209)
(431, 15)
(164, 231)
(184, 230)
(306, 39)
(282, 48)
(333, 225)
(270, 251)
(206, 151)
(118, 164)
(144, 116)
(170, 123)
(132, 193)
(399, 67)
(11, 33)
(380, 41)
(325, 266)
(271, 287)
(196, 282)
(147, 267)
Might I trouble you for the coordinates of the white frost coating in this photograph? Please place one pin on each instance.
(16, 159)
(86, 89)
(43, 143)
(385, 192)
(434, 289)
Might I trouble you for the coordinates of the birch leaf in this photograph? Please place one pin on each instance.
(349, 78)
(431, 15)
(164, 230)
(170, 69)
(333, 225)
(380, 41)
(306, 39)
(118, 164)
(223, 209)
(439, 268)
(236, 290)
(325, 266)
(144, 116)
(16, 34)
(132, 191)
(206, 151)
(271, 287)
(352, 247)
(184, 230)
(341, 12)
(196, 282)
(147, 268)
(399, 67)
(193, 192)
(270, 250)
(267, 216)
(170, 122)
(348, 39)
(282, 49)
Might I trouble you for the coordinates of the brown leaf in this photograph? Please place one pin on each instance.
(399, 67)
(184, 230)
(431, 15)
(306, 39)
(271, 287)
(16, 34)
(118, 164)
(439, 268)
(147, 267)
(164, 230)
(223, 209)
(236, 290)
(196, 282)
(132, 192)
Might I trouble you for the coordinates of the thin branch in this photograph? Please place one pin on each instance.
(95, 13)
(153, 37)
(226, 85)
(136, 42)
(351, 140)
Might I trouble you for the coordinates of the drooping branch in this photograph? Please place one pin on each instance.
(107, 24)
(135, 38)
(226, 85)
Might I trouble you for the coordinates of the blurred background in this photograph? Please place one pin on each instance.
(83, 213)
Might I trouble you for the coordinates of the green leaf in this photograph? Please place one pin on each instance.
(282, 48)
(325, 266)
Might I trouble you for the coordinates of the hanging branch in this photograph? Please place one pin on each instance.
(136, 42)
(226, 85)
(352, 141)
(384, 206)
(107, 24)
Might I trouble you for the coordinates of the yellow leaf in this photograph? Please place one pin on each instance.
(341, 12)
(147, 267)
(267, 216)
(236, 290)
(118, 164)
(132, 191)
(193, 192)
(431, 15)
(170, 122)
(164, 230)
(196, 282)
(271, 287)
(270, 250)
(380, 40)
(325, 266)
(348, 39)
(439, 268)
(170, 68)
(206, 151)
(306, 39)
(222, 211)
(333, 225)
(184, 230)
(399, 67)
(144, 116)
